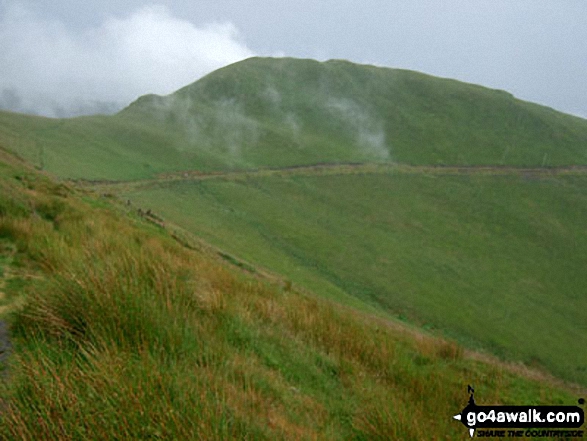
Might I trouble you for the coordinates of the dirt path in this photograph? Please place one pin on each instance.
(7, 273)
(5, 346)
(330, 169)
(5, 349)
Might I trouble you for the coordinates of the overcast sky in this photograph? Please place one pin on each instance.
(63, 57)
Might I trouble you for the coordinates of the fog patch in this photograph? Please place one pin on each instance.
(233, 129)
(290, 123)
(44, 104)
(272, 95)
(294, 125)
(366, 129)
(179, 112)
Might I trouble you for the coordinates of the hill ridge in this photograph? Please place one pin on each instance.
(281, 112)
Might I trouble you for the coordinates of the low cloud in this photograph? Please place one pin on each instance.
(366, 129)
(223, 126)
(48, 69)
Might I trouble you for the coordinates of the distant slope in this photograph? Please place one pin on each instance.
(265, 112)
(337, 110)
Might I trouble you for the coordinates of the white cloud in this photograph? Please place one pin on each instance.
(367, 129)
(49, 69)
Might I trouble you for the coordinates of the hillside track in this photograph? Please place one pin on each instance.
(4, 346)
(326, 169)
(5, 349)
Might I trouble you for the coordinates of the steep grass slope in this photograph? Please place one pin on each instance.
(494, 258)
(126, 334)
(282, 112)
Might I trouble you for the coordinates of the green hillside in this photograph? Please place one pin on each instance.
(283, 112)
(285, 247)
(492, 258)
(127, 330)
(286, 111)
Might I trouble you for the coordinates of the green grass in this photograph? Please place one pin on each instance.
(126, 334)
(287, 328)
(492, 260)
(285, 112)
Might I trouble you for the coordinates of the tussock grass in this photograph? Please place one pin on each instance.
(493, 260)
(129, 335)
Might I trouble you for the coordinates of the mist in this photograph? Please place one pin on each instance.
(48, 69)
(367, 130)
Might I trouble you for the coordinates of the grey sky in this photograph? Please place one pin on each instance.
(64, 56)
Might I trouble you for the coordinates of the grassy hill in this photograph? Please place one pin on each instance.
(276, 246)
(287, 111)
(283, 112)
(492, 258)
(121, 331)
